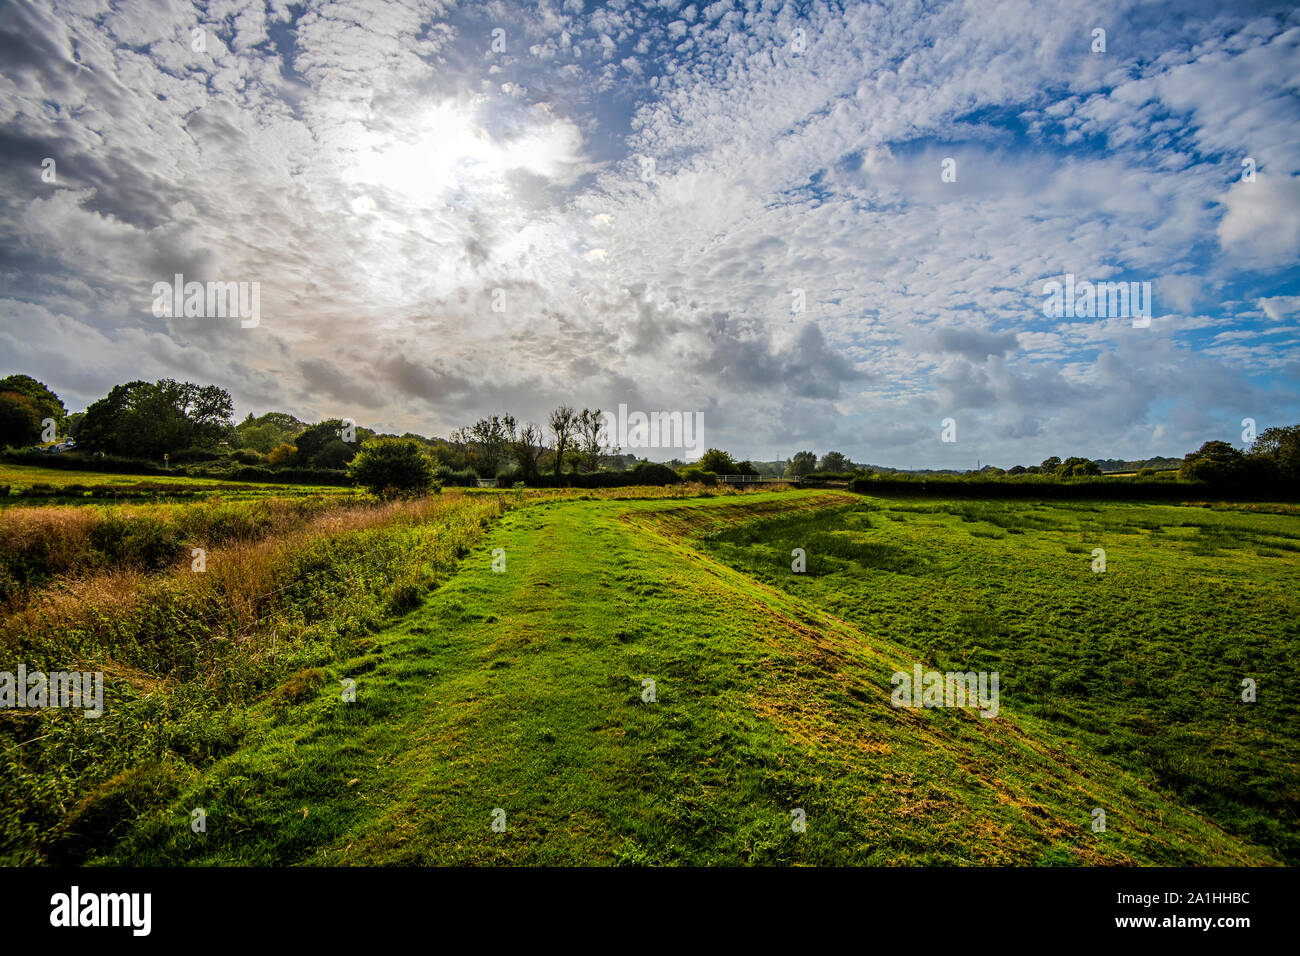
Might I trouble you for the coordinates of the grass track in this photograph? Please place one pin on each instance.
(523, 691)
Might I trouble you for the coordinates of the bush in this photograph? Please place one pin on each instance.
(282, 476)
(1100, 489)
(142, 541)
(652, 473)
(466, 477)
(187, 455)
(282, 455)
(77, 461)
(334, 454)
(700, 476)
(832, 475)
(393, 466)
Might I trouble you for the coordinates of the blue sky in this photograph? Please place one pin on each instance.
(387, 173)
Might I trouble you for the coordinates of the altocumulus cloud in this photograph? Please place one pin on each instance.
(454, 210)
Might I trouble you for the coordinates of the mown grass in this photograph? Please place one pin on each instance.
(524, 691)
(1142, 664)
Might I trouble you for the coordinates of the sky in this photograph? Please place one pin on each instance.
(821, 226)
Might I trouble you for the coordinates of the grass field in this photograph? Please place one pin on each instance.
(520, 697)
(1143, 663)
(20, 479)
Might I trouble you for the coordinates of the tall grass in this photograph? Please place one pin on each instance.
(40, 543)
(289, 587)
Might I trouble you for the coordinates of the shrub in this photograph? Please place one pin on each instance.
(652, 473)
(392, 466)
(282, 455)
(1163, 488)
(77, 461)
(301, 476)
(700, 476)
(334, 454)
(466, 477)
(186, 455)
(141, 541)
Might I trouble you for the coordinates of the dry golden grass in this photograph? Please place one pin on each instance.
(239, 584)
(61, 534)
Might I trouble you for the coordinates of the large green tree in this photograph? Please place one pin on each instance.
(72, 424)
(717, 461)
(1277, 450)
(528, 444)
(323, 445)
(20, 422)
(46, 403)
(801, 464)
(1214, 461)
(835, 461)
(1075, 467)
(267, 431)
(147, 419)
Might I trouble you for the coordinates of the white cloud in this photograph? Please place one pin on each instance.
(386, 171)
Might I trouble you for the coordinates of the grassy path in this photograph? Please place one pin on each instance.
(524, 691)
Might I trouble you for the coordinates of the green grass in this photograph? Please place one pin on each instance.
(1142, 664)
(522, 691)
(22, 479)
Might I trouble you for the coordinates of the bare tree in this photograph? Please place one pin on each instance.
(563, 421)
(528, 446)
(591, 435)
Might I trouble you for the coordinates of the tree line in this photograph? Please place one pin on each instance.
(194, 424)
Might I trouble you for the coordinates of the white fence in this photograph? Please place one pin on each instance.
(747, 479)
